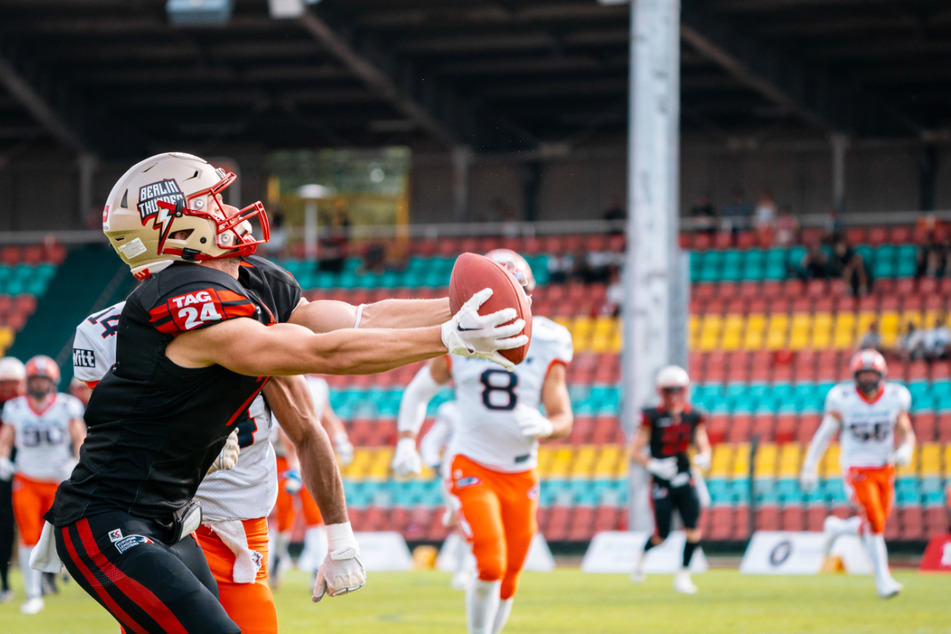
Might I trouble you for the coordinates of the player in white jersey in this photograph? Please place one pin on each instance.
(494, 451)
(870, 415)
(47, 429)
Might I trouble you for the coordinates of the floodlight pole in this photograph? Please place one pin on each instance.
(653, 265)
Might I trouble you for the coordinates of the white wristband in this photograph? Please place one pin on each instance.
(356, 323)
(340, 535)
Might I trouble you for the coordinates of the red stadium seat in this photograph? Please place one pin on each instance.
(717, 426)
(767, 518)
(911, 525)
(877, 236)
(721, 523)
(891, 528)
(741, 529)
(740, 428)
(723, 240)
(808, 424)
(786, 428)
(763, 425)
(900, 234)
(815, 516)
(855, 235)
(793, 518)
(936, 521)
(558, 524)
(606, 518)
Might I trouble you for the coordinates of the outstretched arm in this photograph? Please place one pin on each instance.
(327, 315)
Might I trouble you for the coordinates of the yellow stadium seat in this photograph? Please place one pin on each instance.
(765, 466)
(610, 461)
(799, 339)
(6, 337)
(829, 465)
(777, 331)
(790, 460)
(929, 455)
(722, 460)
(709, 341)
(889, 326)
(379, 468)
(946, 462)
(741, 460)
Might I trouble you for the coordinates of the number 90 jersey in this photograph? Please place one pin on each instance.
(868, 427)
(42, 438)
(490, 399)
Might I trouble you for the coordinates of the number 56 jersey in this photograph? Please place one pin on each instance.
(868, 426)
(491, 398)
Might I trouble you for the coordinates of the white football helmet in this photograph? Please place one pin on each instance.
(869, 360)
(516, 265)
(173, 192)
(12, 378)
(672, 376)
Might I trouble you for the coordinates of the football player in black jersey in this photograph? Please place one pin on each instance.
(194, 347)
(669, 430)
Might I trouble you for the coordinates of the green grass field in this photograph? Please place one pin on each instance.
(570, 601)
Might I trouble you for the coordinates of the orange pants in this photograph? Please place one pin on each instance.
(284, 507)
(250, 605)
(872, 490)
(31, 499)
(498, 516)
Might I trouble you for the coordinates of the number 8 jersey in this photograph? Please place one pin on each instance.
(868, 425)
(490, 399)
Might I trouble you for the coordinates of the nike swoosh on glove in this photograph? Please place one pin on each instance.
(470, 334)
(341, 572)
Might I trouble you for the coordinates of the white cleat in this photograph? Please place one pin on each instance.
(889, 588)
(683, 584)
(32, 606)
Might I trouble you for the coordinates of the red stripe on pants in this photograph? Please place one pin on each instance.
(107, 600)
(137, 593)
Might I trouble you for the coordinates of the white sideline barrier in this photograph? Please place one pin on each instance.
(539, 557)
(616, 552)
(384, 551)
(801, 553)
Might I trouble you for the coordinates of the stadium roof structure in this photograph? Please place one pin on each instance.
(115, 77)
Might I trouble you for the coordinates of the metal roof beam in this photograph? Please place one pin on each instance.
(433, 105)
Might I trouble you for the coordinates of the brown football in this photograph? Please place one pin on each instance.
(473, 272)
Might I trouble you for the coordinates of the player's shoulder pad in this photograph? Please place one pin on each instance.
(899, 390)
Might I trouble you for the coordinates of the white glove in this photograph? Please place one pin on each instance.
(342, 571)
(406, 460)
(532, 423)
(903, 454)
(702, 461)
(228, 456)
(7, 469)
(473, 335)
(808, 479)
(663, 468)
(293, 483)
(344, 448)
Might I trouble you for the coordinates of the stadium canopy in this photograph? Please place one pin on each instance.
(115, 78)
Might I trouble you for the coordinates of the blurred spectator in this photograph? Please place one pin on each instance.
(937, 339)
(934, 256)
(814, 264)
(765, 213)
(582, 270)
(335, 243)
(851, 266)
(911, 345)
(872, 338)
(277, 245)
(374, 257)
(560, 268)
(735, 214)
(787, 227)
(832, 227)
(614, 298)
(703, 215)
(616, 214)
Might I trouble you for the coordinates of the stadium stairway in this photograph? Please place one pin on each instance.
(90, 277)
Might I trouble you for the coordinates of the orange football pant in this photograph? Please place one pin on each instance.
(250, 605)
(872, 490)
(498, 516)
(31, 499)
(284, 507)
